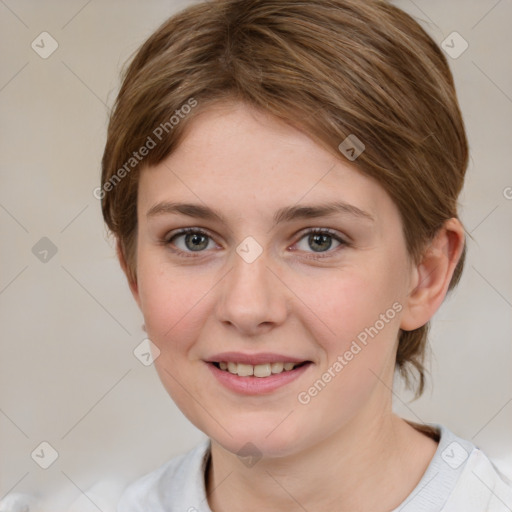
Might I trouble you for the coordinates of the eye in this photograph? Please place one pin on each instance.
(320, 241)
(193, 240)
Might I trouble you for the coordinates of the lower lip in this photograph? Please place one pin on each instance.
(256, 385)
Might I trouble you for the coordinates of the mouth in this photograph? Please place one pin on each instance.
(259, 370)
(267, 374)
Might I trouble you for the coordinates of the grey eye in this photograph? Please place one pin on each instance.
(193, 241)
(318, 242)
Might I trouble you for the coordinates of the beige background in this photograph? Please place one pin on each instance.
(68, 375)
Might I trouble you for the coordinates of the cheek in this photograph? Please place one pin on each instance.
(355, 318)
(174, 314)
(346, 301)
(170, 302)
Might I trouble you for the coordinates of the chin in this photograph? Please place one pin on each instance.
(261, 439)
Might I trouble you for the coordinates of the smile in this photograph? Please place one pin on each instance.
(257, 379)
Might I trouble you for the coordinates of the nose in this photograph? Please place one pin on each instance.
(253, 299)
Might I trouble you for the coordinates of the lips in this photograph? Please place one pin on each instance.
(256, 373)
(260, 382)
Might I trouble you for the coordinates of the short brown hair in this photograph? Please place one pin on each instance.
(332, 68)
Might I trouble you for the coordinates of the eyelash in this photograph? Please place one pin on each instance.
(313, 231)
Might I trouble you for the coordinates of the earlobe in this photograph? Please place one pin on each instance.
(431, 277)
(132, 282)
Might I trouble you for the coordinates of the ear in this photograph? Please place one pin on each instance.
(132, 282)
(432, 276)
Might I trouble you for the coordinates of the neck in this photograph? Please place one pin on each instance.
(366, 465)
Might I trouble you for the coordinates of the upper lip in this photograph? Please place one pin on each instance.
(253, 359)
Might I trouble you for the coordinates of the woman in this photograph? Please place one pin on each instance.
(282, 179)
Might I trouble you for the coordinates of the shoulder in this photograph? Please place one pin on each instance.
(481, 487)
(176, 484)
(459, 478)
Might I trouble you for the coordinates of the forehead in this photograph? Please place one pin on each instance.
(236, 135)
(240, 159)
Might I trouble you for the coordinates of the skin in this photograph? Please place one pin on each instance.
(246, 165)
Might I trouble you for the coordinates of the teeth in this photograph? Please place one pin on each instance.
(258, 370)
(245, 370)
(262, 370)
(277, 367)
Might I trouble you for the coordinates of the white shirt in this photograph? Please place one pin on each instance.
(459, 478)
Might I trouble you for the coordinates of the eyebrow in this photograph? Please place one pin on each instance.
(285, 214)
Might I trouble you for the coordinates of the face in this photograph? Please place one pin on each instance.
(259, 278)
